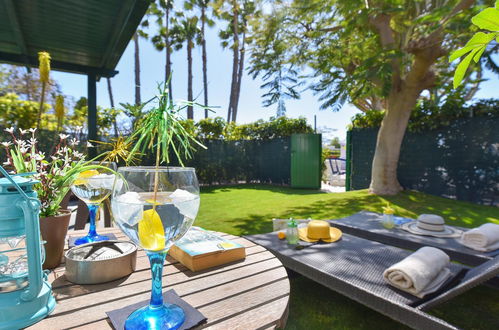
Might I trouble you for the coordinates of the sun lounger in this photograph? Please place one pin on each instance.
(367, 225)
(354, 267)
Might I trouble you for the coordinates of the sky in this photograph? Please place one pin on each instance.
(219, 78)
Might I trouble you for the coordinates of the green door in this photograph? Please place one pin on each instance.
(306, 166)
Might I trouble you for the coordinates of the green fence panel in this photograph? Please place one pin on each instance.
(348, 169)
(243, 161)
(306, 160)
(460, 161)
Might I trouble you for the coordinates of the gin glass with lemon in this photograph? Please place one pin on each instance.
(93, 187)
(154, 207)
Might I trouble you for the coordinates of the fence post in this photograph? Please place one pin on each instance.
(348, 169)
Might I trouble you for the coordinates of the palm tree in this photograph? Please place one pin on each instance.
(203, 6)
(237, 13)
(137, 68)
(111, 101)
(186, 30)
(161, 10)
(248, 9)
(235, 60)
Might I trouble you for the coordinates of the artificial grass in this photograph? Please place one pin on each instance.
(249, 209)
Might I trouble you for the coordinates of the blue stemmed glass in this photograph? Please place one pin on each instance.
(155, 207)
(93, 187)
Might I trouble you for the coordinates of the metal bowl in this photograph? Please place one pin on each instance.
(100, 262)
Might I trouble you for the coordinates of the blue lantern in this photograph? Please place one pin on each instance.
(25, 295)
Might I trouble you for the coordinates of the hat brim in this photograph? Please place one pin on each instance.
(334, 233)
(448, 232)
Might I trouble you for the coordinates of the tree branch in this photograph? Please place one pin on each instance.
(382, 24)
(462, 5)
(361, 105)
(428, 49)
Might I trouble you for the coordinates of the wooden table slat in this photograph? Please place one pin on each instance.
(249, 293)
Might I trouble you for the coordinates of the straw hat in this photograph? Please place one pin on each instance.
(319, 230)
(431, 225)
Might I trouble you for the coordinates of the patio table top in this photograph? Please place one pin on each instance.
(367, 225)
(252, 293)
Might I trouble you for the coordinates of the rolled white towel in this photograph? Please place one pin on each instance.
(420, 273)
(484, 238)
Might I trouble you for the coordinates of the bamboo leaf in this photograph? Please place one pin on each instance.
(479, 40)
(458, 53)
(479, 53)
(487, 19)
(462, 67)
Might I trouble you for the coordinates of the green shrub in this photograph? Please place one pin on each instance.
(429, 116)
(218, 129)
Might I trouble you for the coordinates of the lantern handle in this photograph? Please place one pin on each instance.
(30, 207)
(35, 274)
(9, 177)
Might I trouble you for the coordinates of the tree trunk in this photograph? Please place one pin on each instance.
(190, 112)
(235, 62)
(205, 69)
(168, 65)
(240, 71)
(137, 69)
(391, 133)
(111, 101)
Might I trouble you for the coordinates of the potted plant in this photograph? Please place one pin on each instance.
(56, 174)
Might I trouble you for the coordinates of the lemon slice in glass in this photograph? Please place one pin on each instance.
(85, 175)
(151, 231)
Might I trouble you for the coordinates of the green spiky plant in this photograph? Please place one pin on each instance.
(161, 128)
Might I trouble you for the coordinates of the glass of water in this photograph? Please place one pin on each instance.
(93, 187)
(154, 207)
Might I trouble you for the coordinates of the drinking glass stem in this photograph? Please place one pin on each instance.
(157, 259)
(92, 209)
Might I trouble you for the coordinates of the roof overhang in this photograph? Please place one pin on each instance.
(86, 37)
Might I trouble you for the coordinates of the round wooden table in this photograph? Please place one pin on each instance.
(249, 294)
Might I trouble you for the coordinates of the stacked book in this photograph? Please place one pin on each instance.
(200, 249)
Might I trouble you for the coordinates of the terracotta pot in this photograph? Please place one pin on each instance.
(54, 230)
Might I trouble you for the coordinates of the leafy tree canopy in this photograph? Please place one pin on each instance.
(18, 113)
(336, 46)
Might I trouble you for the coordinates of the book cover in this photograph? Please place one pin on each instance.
(200, 249)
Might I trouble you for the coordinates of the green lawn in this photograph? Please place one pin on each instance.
(249, 209)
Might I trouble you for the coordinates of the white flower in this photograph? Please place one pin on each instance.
(23, 131)
(23, 150)
(32, 141)
(7, 144)
(10, 130)
(89, 145)
(39, 156)
(77, 154)
(6, 163)
(21, 143)
(74, 142)
(32, 130)
(63, 136)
